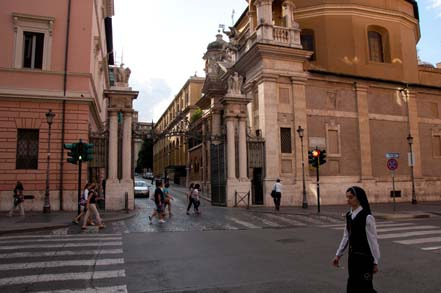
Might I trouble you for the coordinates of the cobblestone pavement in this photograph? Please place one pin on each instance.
(211, 218)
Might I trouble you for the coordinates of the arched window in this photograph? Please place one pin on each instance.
(308, 42)
(376, 46)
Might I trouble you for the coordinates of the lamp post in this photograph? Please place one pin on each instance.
(412, 178)
(300, 131)
(47, 205)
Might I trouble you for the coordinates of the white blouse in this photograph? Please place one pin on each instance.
(371, 234)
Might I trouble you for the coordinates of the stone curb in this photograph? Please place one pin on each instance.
(59, 226)
(384, 216)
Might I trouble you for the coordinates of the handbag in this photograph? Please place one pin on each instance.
(273, 193)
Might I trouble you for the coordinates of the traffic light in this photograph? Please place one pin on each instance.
(322, 157)
(310, 157)
(315, 157)
(81, 148)
(73, 152)
(88, 152)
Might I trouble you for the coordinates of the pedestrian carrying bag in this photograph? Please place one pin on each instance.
(273, 193)
(83, 201)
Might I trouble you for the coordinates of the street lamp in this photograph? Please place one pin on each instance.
(410, 141)
(300, 131)
(47, 205)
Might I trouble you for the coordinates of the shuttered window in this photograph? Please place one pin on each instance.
(27, 149)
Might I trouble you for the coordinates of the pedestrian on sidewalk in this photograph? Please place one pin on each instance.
(360, 234)
(18, 199)
(194, 199)
(83, 202)
(159, 199)
(168, 198)
(91, 208)
(276, 193)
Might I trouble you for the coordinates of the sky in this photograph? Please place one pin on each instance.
(162, 42)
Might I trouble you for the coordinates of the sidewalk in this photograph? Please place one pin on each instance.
(383, 211)
(35, 221)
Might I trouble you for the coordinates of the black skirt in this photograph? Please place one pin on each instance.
(360, 267)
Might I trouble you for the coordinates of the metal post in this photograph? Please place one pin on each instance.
(412, 178)
(79, 187)
(393, 188)
(318, 187)
(47, 204)
(126, 201)
(300, 131)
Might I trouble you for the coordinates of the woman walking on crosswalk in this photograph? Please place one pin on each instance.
(360, 234)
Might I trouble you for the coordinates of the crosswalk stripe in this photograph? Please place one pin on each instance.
(406, 228)
(343, 224)
(378, 225)
(61, 240)
(419, 240)
(306, 219)
(265, 221)
(61, 277)
(384, 225)
(286, 220)
(408, 234)
(60, 236)
(246, 224)
(431, 248)
(114, 289)
(60, 253)
(64, 263)
(83, 244)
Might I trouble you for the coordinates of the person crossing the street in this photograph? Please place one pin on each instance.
(360, 236)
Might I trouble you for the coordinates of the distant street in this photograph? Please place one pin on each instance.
(221, 250)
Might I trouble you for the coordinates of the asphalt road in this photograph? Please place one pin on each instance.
(221, 250)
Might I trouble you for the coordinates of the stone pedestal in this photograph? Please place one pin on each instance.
(120, 101)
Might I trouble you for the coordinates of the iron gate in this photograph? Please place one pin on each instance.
(218, 175)
(256, 164)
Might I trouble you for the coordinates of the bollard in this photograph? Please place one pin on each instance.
(126, 198)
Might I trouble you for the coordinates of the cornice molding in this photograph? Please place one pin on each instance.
(357, 10)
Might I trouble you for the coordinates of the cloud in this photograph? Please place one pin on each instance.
(435, 3)
(154, 97)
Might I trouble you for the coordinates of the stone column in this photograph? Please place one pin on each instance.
(264, 19)
(113, 146)
(300, 119)
(242, 149)
(414, 130)
(127, 147)
(289, 8)
(231, 154)
(364, 130)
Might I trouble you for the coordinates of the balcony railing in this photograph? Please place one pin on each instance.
(281, 35)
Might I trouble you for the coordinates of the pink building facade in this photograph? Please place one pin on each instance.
(55, 55)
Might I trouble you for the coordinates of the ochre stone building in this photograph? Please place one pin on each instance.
(347, 72)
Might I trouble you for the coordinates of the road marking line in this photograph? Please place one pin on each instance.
(383, 225)
(342, 225)
(246, 224)
(60, 236)
(306, 219)
(431, 248)
(286, 220)
(61, 277)
(62, 245)
(264, 221)
(61, 240)
(63, 263)
(60, 253)
(406, 228)
(408, 234)
(419, 240)
(115, 289)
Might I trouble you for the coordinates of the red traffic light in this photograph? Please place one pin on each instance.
(315, 153)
